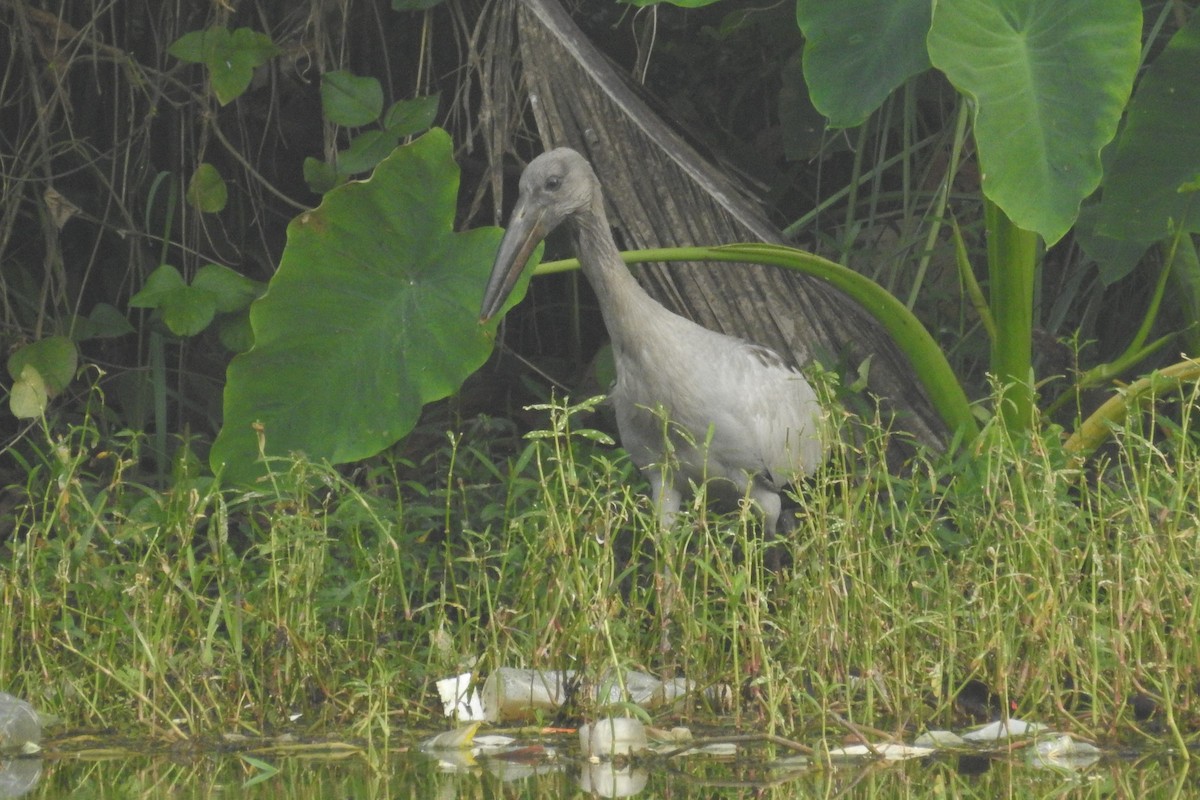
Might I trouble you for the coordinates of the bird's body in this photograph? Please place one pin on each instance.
(692, 405)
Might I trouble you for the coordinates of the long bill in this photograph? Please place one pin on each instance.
(525, 231)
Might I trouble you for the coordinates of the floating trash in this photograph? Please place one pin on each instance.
(458, 739)
(613, 736)
(510, 693)
(939, 739)
(889, 751)
(1063, 752)
(607, 779)
(1003, 729)
(513, 694)
(459, 700)
(20, 727)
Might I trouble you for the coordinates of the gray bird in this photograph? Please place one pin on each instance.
(733, 411)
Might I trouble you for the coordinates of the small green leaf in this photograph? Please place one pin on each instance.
(410, 117)
(159, 284)
(319, 176)
(349, 99)
(207, 190)
(28, 399)
(55, 359)
(231, 290)
(857, 51)
(231, 57)
(365, 152)
(105, 322)
(196, 47)
(187, 311)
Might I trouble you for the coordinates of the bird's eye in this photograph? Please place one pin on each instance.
(553, 182)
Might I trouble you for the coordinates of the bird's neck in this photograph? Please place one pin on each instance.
(622, 299)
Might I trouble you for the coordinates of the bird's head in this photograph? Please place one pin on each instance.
(554, 186)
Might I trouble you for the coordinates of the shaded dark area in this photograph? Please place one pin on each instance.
(103, 130)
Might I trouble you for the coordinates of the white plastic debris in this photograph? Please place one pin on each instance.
(1063, 752)
(458, 739)
(493, 741)
(510, 693)
(606, 779)
(20, 728)
(459, 700)
(1003, 729)
(19, 776)
(939, 739)
(890, 751)
(613, 736)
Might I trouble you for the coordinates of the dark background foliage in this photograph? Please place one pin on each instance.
(102, 130)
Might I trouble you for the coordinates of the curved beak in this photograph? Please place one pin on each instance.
(526, 229)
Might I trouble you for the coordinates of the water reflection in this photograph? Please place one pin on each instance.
(403, 774)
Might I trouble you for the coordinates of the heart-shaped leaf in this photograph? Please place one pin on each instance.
(29, 398)
(206, 190)
(231, 57)
(409, 117)
(1159, 147)
(105, 322)
(1049, 82)
(160, 283)
(374, 311)
(54, 358)
(232, 290)
(349, 99)
(187, 310)
(857, 51)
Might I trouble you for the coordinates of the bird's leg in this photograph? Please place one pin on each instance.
(667, 500)
(665, 497)
(770, 505)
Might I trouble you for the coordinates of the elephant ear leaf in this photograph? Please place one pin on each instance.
(1049, 83)
(374, 311)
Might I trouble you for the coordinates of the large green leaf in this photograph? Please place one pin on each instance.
(857, 51)
(1050, 79)
(374, 311)
(1159, 147)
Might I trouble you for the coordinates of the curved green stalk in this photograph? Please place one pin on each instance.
(1096, 428)
(928, 361)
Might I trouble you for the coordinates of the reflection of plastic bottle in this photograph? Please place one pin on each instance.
(19, 725)
(19, 776)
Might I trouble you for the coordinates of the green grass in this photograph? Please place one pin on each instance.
(342, 595)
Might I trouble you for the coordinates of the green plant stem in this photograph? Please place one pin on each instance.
(1012, 267)
(943, 197)
(967, 275)
(1137, 350)
(1096, 428)
(928, 361)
